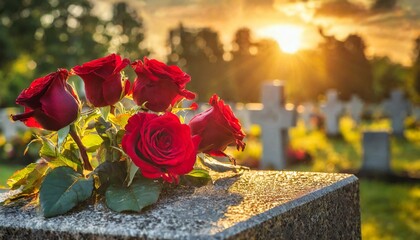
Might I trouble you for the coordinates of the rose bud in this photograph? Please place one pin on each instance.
(160, 146)
(217, 127)
(159, 85)
(49, 102)
(104, 85)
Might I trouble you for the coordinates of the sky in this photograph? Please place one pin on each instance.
(389, 32)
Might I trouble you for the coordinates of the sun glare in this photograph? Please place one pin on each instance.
(288, 37)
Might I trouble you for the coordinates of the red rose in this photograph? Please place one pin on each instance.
(49, 102)
(104, 85)
(218, 127)
(160, 145)
(159, 85)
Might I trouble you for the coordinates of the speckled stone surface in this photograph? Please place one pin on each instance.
(255, 205)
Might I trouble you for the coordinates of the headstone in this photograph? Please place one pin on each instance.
(254, 205)
(307, 114)
(332, 110)
(9, 128)
(376, 153)
(275, 121)
(355, 108)
(242, 113)
(397, 108)
(415, 111)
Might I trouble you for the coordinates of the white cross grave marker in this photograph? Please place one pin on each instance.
(307, 113)
(355, 108)
(242, 113)
(333, 109)
(274, 120)
(397, 108)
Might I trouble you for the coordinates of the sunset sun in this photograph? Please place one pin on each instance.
(288, 37)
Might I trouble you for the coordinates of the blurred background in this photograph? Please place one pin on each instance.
(366, 48)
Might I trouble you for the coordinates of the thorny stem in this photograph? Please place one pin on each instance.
(82, 148)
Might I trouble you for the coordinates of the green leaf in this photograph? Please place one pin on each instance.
(121, 120)
(105, 111)
(62, 189)
(28, 180)
(102, 127)
(197, 177)
(30, 144)
(141, 193)
(110, 173)
(217, 166)
(132, 170)
(92, 142)
(62, 161)
(19, 177)
(90, 116)
(62, 135)
(35, 177)
(48, 148)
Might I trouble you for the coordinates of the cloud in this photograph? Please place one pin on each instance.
(341, 9)
(382, 30)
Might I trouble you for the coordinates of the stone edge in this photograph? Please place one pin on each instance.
(276, 211)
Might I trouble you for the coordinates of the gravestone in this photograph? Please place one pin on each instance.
(254, 205)
(275, 121)
(376, 153)
(8, 127)
(355, 108)
(415, 112)
(243, 115)
(307, 114)
(332, 109)
(397, 109)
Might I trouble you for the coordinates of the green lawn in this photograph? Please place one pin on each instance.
(389, 210)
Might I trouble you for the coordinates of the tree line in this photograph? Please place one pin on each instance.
(37, 35)
(238, 74)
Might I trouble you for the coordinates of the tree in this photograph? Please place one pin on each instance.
(128, 35)
(387, 76)
(384, 4)
(348, 69)
(200, 53)
(45, 35)
(415, 90)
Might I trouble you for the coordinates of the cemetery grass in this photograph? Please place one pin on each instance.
(389, 210)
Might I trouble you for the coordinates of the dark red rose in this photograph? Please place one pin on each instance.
(160, 145)
(104, 85)
(217, 127)
(49, 102)
(159, 85)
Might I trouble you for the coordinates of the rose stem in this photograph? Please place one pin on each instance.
(112, 109)
(82, 148)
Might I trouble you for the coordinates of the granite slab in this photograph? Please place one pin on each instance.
(254, 205)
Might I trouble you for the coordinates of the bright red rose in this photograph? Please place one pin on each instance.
(104, 85)
(49, 102)
(160, 145)
(159, 85)
(217, 127)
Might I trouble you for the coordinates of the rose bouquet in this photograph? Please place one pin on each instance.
(125, 144)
